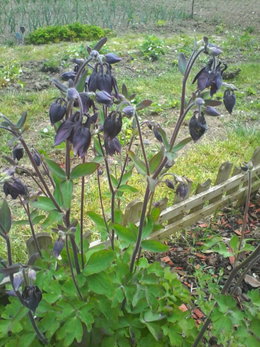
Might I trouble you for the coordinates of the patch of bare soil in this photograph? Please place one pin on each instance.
(187, 254)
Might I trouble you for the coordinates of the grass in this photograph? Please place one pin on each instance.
(158, 81)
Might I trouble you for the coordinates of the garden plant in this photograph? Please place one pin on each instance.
(72, 294)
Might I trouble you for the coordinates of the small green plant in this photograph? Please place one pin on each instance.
(10, 72)
(70, 32)
(152, 48)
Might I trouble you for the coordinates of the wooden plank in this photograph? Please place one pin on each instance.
(193, 201)
(200, 189)
(223, 174)
(194, 217)
(235, 172)
(256, 157)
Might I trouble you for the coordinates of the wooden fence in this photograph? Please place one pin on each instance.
(230, 187)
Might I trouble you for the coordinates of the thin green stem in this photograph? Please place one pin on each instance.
(39, 174)
(71, 269)
(142, 144)
(140, 229)
(27, 211)
(101, 203)
(82, 200)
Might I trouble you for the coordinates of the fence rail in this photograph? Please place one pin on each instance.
(229, 187)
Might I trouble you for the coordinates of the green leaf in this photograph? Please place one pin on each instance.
(99, 261)
(154, 246)
(181, 144)
(83, 169)
(55, 169)
(114, 181)
(44, 204)
(81, 82)
(101, 284)
(164, 138)
(182, 63)
(150, 316)
(5, 218)
(53, 217)
(66, 188)
(127, 188)
(71, 329)
(125, 233)
(22, 120)
(234, 243)
(126, 177)
(155, 161)
(86, 317)
(139, 164)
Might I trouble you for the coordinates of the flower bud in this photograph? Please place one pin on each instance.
(197, 126)
(70, 75)
(104, 98)
(15, 187)
(182, 190)
(57, 111)
(229, 100)
(112, 58)
(113, 124)
(129, 111)
(211, 111)
(31, 296)
(18, 152)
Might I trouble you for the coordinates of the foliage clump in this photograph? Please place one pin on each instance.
(71, 32)
(152, 48)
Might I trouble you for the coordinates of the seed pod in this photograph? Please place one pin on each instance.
(112, 58)
(15, 187)
(229, 100)
(104, 98)
(182, 190)
(70, 75)
(18, 152)
(31, 297)
(197, 126)
(57, 111)
(112, 146)
(113, 124)
(22, 29)
(211, 111)
(81, 140)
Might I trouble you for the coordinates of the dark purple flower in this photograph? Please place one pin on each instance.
(57, 111)
(112, 58)
(15, 187)
(112, 146)
(64, 132)
(31, 296)
(70, 75)
(169, 184)
(104, 98)
(18, 152)
(229, 100)
(197, 126)
(129, 111)
(58, 247)
(113, 124)
(211, 111)
(36, 157)
(182, 190)
(81, 140)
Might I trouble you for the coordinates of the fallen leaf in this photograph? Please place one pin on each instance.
(201, 256)
(203, 225)
(166, 259)
(183, 308)
(240, 221)
(198, 313)
(231, 258)
(253, 282)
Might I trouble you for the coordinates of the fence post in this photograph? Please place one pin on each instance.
(223, 174)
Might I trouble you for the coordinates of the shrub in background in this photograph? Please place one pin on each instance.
(71, 32)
